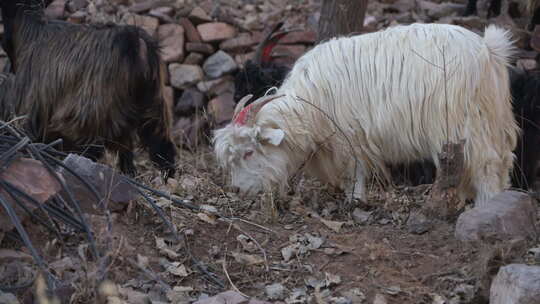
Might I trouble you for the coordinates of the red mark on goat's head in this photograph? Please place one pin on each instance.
(242, 116)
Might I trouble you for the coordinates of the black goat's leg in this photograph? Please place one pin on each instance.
(126, 163)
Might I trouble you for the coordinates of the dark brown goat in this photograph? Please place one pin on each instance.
(94, 86)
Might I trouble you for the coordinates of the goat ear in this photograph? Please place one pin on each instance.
(272, 136)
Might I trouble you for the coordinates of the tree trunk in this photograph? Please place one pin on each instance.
(341, 17)
(444, 201)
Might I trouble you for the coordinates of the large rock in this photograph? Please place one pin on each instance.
(516, 284)
(104, 179)
(184, 75)
(172, 40)
(32, 178)
(219, 64)
(508, 215)
(216, 31)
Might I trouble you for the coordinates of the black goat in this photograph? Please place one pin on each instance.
(260, 74)
(526, 97)
(495, 6)
(89, 85)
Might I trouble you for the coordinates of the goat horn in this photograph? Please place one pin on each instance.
(259, 51)
(240, 105)
(256, 106)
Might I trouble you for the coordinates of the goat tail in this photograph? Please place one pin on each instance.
(500, 44)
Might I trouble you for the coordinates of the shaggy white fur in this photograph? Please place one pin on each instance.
(383, 98)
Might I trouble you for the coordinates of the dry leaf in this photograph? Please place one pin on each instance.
(210, 219)
(247, 259)
(336, 226)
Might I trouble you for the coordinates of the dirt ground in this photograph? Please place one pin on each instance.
(312, 243)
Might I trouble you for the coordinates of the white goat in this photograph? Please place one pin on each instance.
(385, 96)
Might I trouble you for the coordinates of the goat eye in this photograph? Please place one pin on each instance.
(248, 154)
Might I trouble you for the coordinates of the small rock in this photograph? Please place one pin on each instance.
(508, 215)
(56, 10)
(143, 6)
(469, 22)
(198, 15)
(516, 284)
(200, 47)
(289, 50)
(535, 253)
(341, 300)
(78, 17)
(355, 295)
(190, 101)
(216, 31)
(8, 298)
(219, 64)
(194, 58)
(192, 34)
(242, 58)
(227, 297)
(288, 252)
(172, 40)
(241, 43)
(275, 291)
(9, 255)
(305, 37)
(438, 11)
(418, 223)
(163, 13)
(184, 75)
(465, 292)
(403, 5)
(217, 86)
(221, 109)
(526, 64)
(76, 5)
(298, 295)
(379, 299)
(361, 217)
(149, 24)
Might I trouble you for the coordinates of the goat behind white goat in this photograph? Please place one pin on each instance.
(388, 93)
